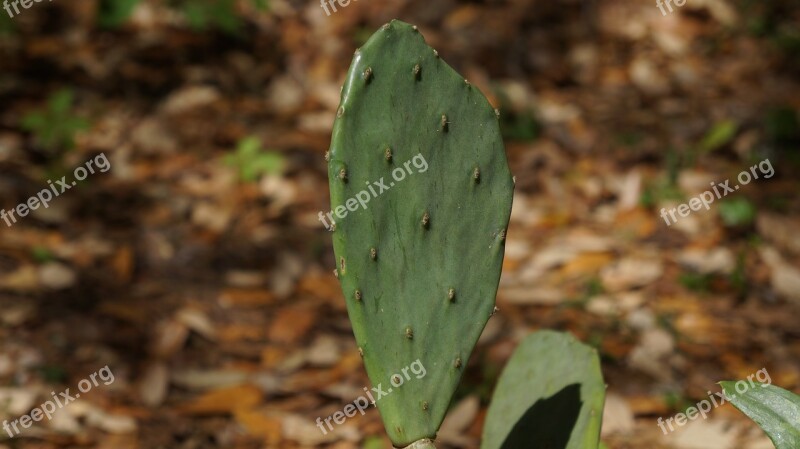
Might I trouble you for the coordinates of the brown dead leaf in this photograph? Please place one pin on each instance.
(630, 273)
(272, 356)
(617, 415)
(190, 98)
(637, 221)
(260, 425)
(194, 379)
(122, 263)
(292, 323)
(24, 279)
(111, 423)
(647, 405)
(57, 276)
(458, 420)
(245, 298)
(706, 434)
(324, 351)
(130, 311)
(241, 332)
(586, 264)
(785, 277)
(779, 230)
(170, 337)
(197, 321)
(118, 441)
(224, 401)
(323, 286)
(317, 379)
(154, 384)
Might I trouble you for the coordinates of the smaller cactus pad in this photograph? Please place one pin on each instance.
(551, 394)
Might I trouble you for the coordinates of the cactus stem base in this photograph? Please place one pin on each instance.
(421, 444)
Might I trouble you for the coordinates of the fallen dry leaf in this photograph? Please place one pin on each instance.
(223, 401)
(154, 384)
(292, 323)
(258, 424)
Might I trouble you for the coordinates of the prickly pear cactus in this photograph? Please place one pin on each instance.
(417, 164)
(551, 394)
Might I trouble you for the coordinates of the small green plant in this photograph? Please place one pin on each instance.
(42, 255)
(6, 25)
(721, 134)
(737, 212)
(519, 126)
(629, 138)
(200, 14)
(775, 410)
(54, 127)
(203, 14)
(696, 282)
(675, 400)
(53, 373)
(252, 162)
(660, 190)
(782, 125)
(665, 187)
(114, 13)
(218, 14)
(419, 267)
(738, 278)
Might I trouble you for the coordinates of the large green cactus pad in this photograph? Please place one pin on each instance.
(420, 262)
(550, 395)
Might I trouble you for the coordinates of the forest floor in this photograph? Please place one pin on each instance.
(195, 268)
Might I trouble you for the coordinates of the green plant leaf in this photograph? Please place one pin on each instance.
(774, 409)
(203, 14)
(114, 13)
(33, 121)
(782, 124)
(223, 13)
(61, 101)
(6, 25)
(42, 255)
(551, 395)
(250, 146)
(718, 136)
(270, 164)
(261, 5)
(196, 14)
(252, 162)
(54, 127)
(737, 212)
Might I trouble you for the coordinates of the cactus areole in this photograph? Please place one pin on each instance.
(419, 262)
